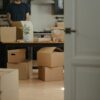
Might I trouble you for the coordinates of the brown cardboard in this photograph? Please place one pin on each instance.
(9, 84)
(16, 55)
(8, 34)
(19, 31)
(51, 74)
(50, 57)
(20, 25)
(25, 69)
(60, 24)
(57, 35)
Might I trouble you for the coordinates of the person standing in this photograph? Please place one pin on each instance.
(18, 11)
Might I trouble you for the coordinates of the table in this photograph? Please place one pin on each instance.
(32, 47)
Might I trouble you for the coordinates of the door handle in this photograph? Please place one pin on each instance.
(69, 30)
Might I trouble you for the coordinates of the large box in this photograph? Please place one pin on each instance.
(50, 57)
(51, 74)
(25, 69)
(16, 55)
(9, 84)
(8, 34)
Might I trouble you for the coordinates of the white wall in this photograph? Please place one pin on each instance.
(41, 16)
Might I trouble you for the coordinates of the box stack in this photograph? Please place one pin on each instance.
(51, 62)
(17, 60)
(60, 25)
(57, 34)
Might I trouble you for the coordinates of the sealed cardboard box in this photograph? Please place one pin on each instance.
(25, 69)
(51, 74)
(16, 55)
(50, 57)
(8, 34)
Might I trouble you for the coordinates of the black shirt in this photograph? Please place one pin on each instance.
(18, 11)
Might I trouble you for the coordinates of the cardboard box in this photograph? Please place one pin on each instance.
(20, 25)
(60, 24)
(25, 69)
(9, 84)
(51, 74)
(19, 31)
(57, 35)
(16, 55)
(8, 34)
(50, 57)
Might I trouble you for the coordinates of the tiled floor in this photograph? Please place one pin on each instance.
(35, 89)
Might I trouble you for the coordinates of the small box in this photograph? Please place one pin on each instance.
(51, 74)
(16, 55)
(8, 34)
(25, 69)
(60, 24)
(57, 35)
(50, 57)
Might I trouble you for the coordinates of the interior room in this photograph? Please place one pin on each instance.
(32, 52)
(36, 36)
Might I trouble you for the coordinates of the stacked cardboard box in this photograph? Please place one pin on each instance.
(17, 60)
(7, 34)
(51, 62)
(60, 25)
(16, 55)
(25, 68)
(57, 35)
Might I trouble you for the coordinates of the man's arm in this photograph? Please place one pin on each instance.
(27, 16)
(9, 18)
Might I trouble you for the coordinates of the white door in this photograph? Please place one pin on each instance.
(82, 50)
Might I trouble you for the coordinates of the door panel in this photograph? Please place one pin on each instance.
(87, 24)
(82, 50)
(87, 83)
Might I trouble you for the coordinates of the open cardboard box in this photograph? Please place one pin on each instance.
(50, 57)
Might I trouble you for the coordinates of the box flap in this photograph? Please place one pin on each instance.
(50, 50)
